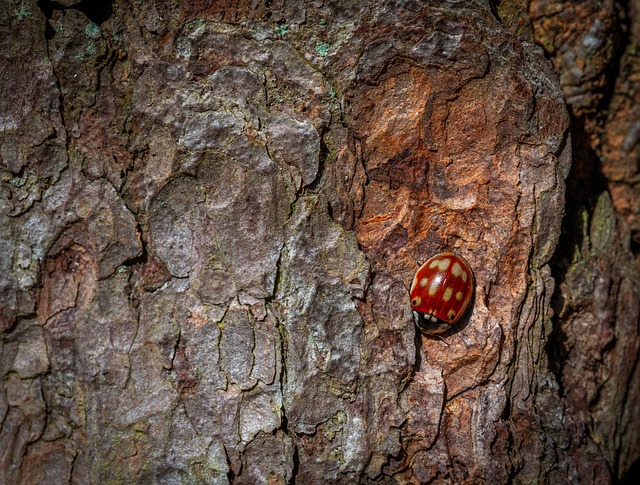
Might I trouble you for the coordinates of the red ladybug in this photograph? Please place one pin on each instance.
(440, 292)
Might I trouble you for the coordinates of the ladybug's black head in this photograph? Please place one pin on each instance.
(429, 324)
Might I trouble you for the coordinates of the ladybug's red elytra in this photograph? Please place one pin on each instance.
(440, 292)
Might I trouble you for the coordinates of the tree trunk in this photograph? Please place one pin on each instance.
(211, 213)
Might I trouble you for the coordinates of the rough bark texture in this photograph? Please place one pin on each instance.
(595, 342)
(211, 212)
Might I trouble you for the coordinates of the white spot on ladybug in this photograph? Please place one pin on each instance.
(447, 294)
(433, 318)
(424, 282)
(441, 264)
(457, 270)
(435, 285)
(451, 314)
(459, 296)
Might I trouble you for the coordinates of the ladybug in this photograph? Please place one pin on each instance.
(440, 292)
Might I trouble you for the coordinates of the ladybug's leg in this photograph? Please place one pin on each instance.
(441, 338)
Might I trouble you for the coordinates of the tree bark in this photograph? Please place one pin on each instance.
(211, 213)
